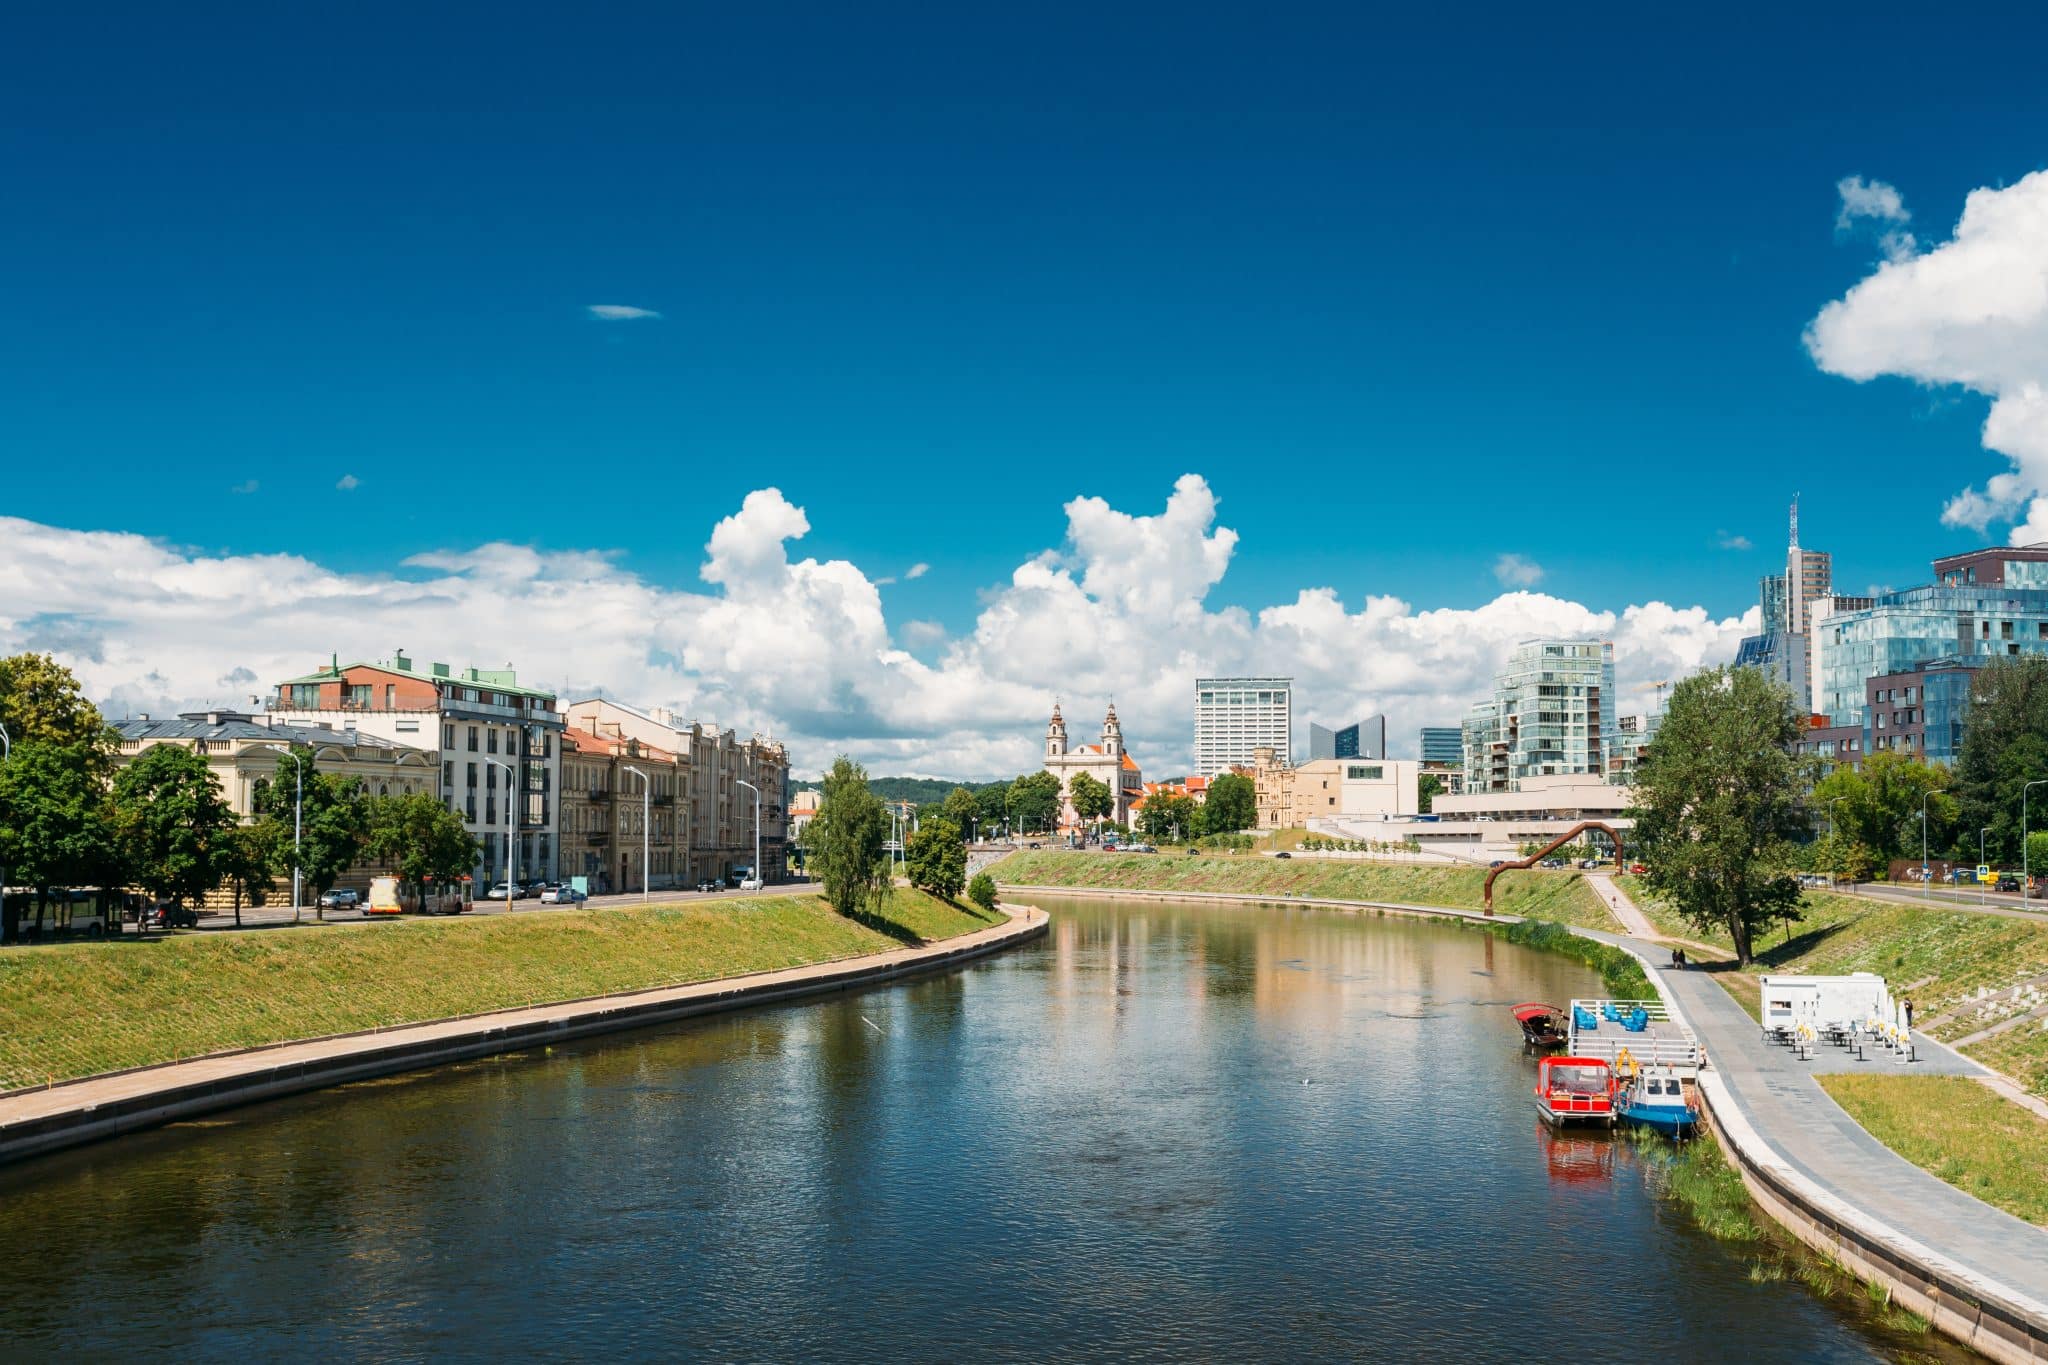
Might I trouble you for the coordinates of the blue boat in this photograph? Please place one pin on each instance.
(1655, 1097)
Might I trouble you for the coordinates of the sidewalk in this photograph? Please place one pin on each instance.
(35, 1121)
(1778, 1100)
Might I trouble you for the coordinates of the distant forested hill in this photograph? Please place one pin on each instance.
(919, 791)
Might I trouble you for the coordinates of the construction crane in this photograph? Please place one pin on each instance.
(1660, 684)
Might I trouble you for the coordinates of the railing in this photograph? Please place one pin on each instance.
(1662, 1041)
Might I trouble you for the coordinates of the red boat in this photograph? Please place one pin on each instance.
(1543, 1026)
(1575, 1090)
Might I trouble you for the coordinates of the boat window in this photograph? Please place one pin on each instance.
(1656, 1086)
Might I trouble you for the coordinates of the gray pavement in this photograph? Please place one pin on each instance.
(1780, 1099)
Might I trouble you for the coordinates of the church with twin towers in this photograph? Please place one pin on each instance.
(1108, 763)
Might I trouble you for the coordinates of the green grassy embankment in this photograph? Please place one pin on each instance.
(1563, 896)
(77, 1009)
(1976, 1140)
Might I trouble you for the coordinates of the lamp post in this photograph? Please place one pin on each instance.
(646, 810)
(1923, 836)
(509, 819)
(1834, 829)
(298, 822)
(7, 752)
(2025, 880)
(757, 829)
(1980, 861)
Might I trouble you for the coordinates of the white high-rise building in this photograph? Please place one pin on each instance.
(1234, 716)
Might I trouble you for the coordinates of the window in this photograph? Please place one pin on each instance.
(391, 697)
(472, 739)
(491, 741)
(472, 775)
(1360, 772)
(448, 772)
(408, 727)
(447, 736)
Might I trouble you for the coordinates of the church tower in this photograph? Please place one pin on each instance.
(1112, 734)
(1056, 735)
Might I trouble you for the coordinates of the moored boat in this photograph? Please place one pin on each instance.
(1543, 1026)
(1575, 1090)
(1655, 1097)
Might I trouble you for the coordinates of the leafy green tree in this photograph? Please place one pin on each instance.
(1877, 805)
(1167, 818)
(936, 859)
(335, 820)
(2037, 853)
(55, 825)
(1090, 797)
(962, 808)
(982, 891)
(419, 837)
(1719, 796)
(172, 823)
(1034, 801)
(249, 858)
(41, 702)
(1232, 805)
(1427, 789)
(848, 839)
(2005, 746)
(994, 800)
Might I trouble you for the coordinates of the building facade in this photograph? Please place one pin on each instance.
(497, 745)
(1107, 762)
(1236, 716)
(1442, 746)
(1551, 714)
(623, 813)
(1360, 739)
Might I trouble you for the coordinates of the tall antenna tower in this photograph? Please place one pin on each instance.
(1795, 521)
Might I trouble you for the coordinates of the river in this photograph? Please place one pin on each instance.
(1167, 1130)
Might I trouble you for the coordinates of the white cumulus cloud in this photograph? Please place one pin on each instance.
(1971, 311)
(917, 570)
(620, 312)
(800, 647)
(348, 483)
(1517, 571)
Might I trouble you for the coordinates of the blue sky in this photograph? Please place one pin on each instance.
(1410, 291)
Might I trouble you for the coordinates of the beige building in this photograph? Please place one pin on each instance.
(1333, 788)
(617, 828)
(1106, 762)
(718, 813)
(243, 750)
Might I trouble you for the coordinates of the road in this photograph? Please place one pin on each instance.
(275, 916)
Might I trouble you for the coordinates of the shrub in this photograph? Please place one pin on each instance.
(982, 891)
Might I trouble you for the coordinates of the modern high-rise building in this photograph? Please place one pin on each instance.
(1443, 744)
(1234, 716)
(1552, 712)
(1787, 603)
(1360, 739)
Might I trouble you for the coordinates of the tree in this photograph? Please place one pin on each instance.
(420, 837)
(1233, 804)
(1167, 817)
(249, 857)
(172, 823)
(41, 702)
(1034, 801)
(2005, 746)
(1427, 789)
(962, 808)
(936, 860)
(848, 840)
(994, 800)
(55, 825)
(1090, 797)
(335, 820)
(1878, 805)
(1719, 797)
(982, 891)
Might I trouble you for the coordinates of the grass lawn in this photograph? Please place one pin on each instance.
(75, 1009)
(1976, 1140)
(1561, 896)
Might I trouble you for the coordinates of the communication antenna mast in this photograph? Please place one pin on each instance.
(1795, 521)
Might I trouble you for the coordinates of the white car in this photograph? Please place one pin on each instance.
(752, 884)
(562, 895)
(498, 893)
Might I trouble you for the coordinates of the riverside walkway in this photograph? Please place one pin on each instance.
(1920, 1219)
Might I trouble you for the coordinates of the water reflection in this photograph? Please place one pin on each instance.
(1163, 1131)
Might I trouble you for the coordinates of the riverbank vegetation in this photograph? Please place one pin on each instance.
(1975, 1139)
(1620, 973)
(82, 1008)
(1563, 896)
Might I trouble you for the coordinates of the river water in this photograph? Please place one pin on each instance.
(1166, 1131)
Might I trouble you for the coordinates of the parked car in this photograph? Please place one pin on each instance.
(1283, 853)
(2007, 883)
(340, 898)
(166, 916)
(708, 885)
(1553, 862)
(562, 894)
(751, 884)
(1498, 862)
(1588, 862)
(501, 892)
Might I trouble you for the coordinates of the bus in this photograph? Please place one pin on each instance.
(390, 896)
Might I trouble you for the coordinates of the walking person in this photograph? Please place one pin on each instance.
(1909, 1013)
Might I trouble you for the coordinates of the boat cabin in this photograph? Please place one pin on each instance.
(1575, 1090)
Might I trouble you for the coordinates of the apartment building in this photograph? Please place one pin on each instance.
(625, 817)
(497, 745)
(1236, 716)
(1551, 714)
(715, 804)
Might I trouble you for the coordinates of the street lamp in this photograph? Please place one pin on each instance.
(2025, 881)
(1923, 835)
(757, 829)
(1980, 861)
(509, 820)
(1835, 829)
(646, 806)
(298, 824)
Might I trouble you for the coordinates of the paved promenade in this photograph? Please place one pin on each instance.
(1779, 1101)
(33, 1121)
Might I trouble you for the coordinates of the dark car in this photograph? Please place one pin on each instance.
(173, 917)
(1498, 862)
(1283, 853)
(2007, 883)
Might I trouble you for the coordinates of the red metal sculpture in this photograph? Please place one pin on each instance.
(1555, 844)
